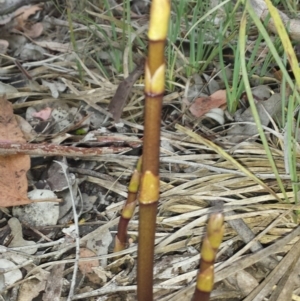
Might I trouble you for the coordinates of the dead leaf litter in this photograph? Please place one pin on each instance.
(55, 114)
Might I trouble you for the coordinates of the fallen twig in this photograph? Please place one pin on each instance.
(7, 148)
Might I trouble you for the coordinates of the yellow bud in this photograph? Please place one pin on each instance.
(149, 192)
(155, 85)
(205, 280)
(159, 19)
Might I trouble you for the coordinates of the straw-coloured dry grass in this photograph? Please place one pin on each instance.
(194, 178)
(201, 170)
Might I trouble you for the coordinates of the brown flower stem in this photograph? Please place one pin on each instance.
(149, 192)
(128, 209)
(210, 245)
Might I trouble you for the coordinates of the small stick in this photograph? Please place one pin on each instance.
(43, 150)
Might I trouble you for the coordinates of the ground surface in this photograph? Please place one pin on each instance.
(62, 69)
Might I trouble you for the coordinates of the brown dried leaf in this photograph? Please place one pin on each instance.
(202, 105)
(55, 46)
(86, 267)
(54, 284)
(35, 30)
(118, 102)
(3, 46)
(27, 130)
(22, 14)
(9, 129)
(13, 182)
(13, 168)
